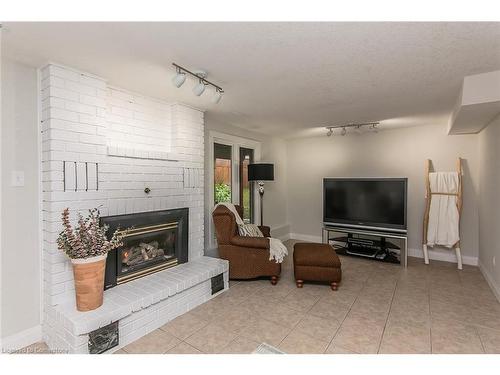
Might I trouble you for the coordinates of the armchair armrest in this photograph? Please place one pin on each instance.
(255, 242)
(266, 231)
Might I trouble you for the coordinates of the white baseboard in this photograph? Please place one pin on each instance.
(285, 237)
(445, 256)
(21, 339)
(281, 232)
(490, 280)
(305, 237)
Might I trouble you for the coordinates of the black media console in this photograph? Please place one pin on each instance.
(375, 245)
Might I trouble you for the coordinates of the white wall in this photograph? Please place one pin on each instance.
(20, 245)
(273, 150)
(390, 153)
(276, 192)
(489, 204)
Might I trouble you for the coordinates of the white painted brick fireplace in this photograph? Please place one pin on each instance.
(101, 147)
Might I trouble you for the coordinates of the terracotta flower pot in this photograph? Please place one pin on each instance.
(89, 282)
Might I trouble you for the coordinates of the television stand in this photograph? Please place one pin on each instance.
(373, 244)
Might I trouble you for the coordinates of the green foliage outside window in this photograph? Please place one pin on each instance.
(222, 193)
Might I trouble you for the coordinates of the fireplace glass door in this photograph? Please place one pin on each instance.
(147, 249)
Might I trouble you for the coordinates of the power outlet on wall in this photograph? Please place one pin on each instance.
(494, 261)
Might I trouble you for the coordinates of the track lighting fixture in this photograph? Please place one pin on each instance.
(218, 96)
(199, 88)
(180, 77)
(358, 128)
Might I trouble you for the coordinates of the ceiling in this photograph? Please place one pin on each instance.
(280, 78)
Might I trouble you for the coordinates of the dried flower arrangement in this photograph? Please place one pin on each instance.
(88, 239)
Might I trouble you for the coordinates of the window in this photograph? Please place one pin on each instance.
(246, 191)
(228, 176)
(222, 173)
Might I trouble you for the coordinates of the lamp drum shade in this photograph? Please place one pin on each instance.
(261, 172)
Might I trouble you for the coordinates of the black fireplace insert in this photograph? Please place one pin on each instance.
(153, 242)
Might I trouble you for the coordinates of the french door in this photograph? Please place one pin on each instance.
(228, 176)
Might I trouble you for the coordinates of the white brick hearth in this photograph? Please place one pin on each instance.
(130, 142)
(140, 306)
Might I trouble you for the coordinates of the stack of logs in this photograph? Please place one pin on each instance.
(141, 253)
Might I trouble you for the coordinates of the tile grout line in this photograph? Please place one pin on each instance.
(211, 321)
(480, 339)
(347, 313)
(430, 312)
(238, 334)
(296, 324)
(460, 275)
(388, 313)
(243, 298)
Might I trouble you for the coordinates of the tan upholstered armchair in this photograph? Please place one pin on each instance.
(248, 256)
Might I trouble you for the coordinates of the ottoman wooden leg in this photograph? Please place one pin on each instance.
(300, 283)
(334, 286)
(274, 280)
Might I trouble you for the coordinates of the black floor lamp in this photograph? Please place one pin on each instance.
(261, 172)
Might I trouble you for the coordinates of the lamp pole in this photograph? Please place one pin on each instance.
(260, 172)
(261, 193)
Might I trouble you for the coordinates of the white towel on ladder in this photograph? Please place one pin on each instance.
(443, 227)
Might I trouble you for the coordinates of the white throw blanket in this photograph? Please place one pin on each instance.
(277, 250)
(443, 227)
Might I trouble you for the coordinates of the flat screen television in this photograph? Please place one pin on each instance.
(366, 203)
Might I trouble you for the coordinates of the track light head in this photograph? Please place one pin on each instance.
(356, 128)
(199, 88)
(179, 79)
(217, 96)
(201, 75)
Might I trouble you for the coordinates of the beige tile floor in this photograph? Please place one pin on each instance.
(379, 308)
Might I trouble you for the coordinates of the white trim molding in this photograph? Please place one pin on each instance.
(235, 142)
(490, 280)
(22, 339)
(444, 256)
(281, 232)
(284, 238)
(416, 253)
(304, 237)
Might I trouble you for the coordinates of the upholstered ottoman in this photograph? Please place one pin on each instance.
(316, 262)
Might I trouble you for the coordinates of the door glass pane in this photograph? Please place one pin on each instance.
(222, 173)
(246, 192)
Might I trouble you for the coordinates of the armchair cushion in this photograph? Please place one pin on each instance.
(266, 231)
(249, 230)
(253, 242)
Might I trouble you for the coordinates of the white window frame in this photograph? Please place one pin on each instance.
(235, 142)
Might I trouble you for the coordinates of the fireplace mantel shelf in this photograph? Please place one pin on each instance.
(123, 300)
(137, 153)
